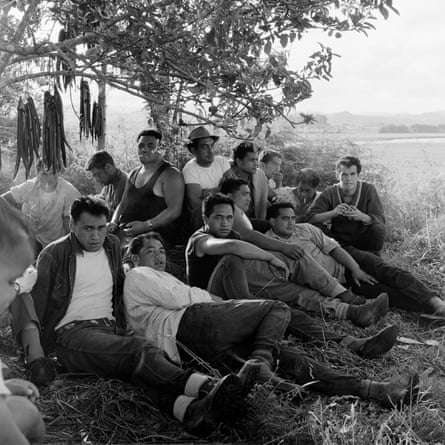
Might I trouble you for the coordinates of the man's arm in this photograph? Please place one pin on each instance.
(10, 433)
(194, 195)
(10, 199)
(343, 257)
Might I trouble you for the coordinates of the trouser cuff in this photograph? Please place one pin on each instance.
(194, 382)
(180, 407)
(264, 355)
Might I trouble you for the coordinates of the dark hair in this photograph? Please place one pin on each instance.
(241, 150)
(149, 132)
(309, 177)
(13, 225)
(137, 243)
(349, 161)
(268, 155)
(274, 210)
(89, 204)
(99, 160)
(213, 200)
(232, 185)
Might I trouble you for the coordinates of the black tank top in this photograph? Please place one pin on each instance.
(141, 203)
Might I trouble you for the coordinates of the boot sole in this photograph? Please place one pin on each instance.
(381, 343)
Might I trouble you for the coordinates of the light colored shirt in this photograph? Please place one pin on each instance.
(206, 177)
(317, 244)
(155, 302)
(93, 289)
(4, 391)
(46, 210)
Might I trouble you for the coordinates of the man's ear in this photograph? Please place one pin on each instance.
(135, 259)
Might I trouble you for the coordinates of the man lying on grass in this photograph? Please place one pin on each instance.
(404, 290)
(189, 323)
(20, 421)
(308, 281)
(78, 299)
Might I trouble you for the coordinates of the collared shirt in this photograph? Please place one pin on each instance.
(317, 244)
(155, 302)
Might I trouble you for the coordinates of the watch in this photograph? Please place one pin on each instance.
(16, 286)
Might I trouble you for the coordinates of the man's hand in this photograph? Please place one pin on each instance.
(357, 215)
(134, 228)
(293, 251)
(112, 227)
(341, 210)
(27, 280)
(360, 275)
(20, 387)
(278, 268)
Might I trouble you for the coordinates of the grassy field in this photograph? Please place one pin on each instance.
(97, 411)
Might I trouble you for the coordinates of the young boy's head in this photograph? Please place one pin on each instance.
(16, 251)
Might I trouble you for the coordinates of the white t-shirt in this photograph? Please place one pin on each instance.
(206, 177)
(4, 391)
(93, 289)
(155, 303)
(46, 210)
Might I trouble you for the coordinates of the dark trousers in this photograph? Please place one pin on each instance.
(222, 332)
(89, 347)
(404, 290)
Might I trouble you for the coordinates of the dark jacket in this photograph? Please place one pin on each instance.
(53, 290)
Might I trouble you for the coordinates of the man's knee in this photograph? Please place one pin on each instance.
(232, 261)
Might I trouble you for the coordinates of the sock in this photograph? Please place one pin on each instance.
(180, 407)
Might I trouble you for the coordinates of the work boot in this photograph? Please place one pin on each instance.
(42, 371)
(266, 375)
(369, 313)
(349, 297)
(221, 404)
(377, 345)
(401, 390)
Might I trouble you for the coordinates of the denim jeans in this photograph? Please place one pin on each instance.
(223, 332)
(404, 290)
(235, 278)
(91, 348)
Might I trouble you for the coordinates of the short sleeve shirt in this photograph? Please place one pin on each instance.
(206, 177)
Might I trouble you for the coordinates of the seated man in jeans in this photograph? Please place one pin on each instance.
(218, 246)
(187, 322)
(403, 289)
(78, 299)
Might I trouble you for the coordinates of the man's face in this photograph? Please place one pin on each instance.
(242, 198)
(220, 221)
(148, 149)
(305, 192)
(103, 176)
(13, 264)
(249, 164)
(272, 167)
(203, 151)
(90, 231)
(47, 179)
(152, 254)
(348, 179)
(284, 223)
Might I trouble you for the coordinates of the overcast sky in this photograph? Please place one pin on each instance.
(400, 67)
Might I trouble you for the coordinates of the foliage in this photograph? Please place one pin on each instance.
(228, 58)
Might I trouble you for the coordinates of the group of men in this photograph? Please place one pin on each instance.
(253, 270)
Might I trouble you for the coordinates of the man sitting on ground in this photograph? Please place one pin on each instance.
(245, 166)
(352, 207)
(83, 318)
(250, 272)
(104, 171)
(203, 173)
(303, 194)
(187, 321)
(270, 163)
(154, 194)
(404, 290)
